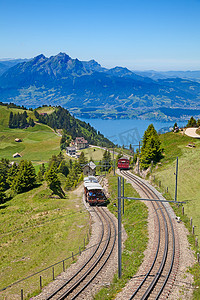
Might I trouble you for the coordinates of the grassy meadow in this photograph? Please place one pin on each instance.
(175, 145)
(38, 144)
(38, 230)
(93, 153)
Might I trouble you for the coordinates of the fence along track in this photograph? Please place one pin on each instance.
(157, 275)
(85, 275)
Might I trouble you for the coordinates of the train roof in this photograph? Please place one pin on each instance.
(123, 158)
(92, 186)
(90, 179)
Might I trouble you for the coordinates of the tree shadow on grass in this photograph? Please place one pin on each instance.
(59, 192)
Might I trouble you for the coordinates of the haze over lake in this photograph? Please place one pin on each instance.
(127, 131)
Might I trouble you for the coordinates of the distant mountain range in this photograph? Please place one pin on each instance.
(89, 90)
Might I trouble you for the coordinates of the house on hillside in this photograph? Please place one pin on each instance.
(17, 155)
(18, 140)
(80, 143)
(89, 169)
(71, 151)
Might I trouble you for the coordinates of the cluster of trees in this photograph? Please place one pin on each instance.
(193, 123)
(65, 140)
(12, 105)
(4, 168)
(22, 177)
(62, 119)
(72, 170)
(20, 120)
(151, 148)
(18, 177)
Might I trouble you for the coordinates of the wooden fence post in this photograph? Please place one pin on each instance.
(63, 266)
(40, 282)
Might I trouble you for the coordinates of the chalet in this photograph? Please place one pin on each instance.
(89, 169)
(17, 155)
(43, 114)
(71, 151)
(18, 140)
(80, 143)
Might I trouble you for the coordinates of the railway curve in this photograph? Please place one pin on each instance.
(83, 281)
(160, 272)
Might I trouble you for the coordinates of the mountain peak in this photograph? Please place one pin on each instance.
(63, 55)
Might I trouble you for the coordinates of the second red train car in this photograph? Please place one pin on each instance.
(123, 164)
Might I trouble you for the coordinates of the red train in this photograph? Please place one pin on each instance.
(123, 164)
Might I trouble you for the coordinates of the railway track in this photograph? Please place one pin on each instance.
(77, 285)
(160, 273)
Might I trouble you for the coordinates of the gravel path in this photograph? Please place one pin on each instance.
(182, 287)
(192, 133)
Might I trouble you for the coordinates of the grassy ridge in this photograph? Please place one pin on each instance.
(135, 224)
(188, 183)
(37, 231)
(38, 144)
(188, 172)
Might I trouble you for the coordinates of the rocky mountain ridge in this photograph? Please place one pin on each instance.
(89, 90)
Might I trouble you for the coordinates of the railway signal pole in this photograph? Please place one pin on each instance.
(119, 230)
(176, 185)
(139, 160)
(123, 195)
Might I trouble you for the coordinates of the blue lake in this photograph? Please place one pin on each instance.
(126, 132)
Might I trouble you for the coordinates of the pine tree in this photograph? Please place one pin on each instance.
(42, 169)
(25, 177)
(11, 174)
(82, 159)
(10, 124)
(2, 194)
(151, 147)
(31, 122)
(52, 178)
(36, 114)
(63, 168)
(192, 122)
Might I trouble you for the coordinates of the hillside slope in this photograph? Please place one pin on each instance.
(175, 145)
(40, 142)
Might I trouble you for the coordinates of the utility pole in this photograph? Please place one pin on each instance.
(139, 160)
(119, 230)
(123, 195)
(176, 185)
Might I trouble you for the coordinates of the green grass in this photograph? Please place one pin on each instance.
(38, 230)
(45, 109)
(93, 152)
(188, 172)
(38, 144)
(188, 183)
(135, 223)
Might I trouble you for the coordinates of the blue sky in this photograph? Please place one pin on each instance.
(138, 34)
